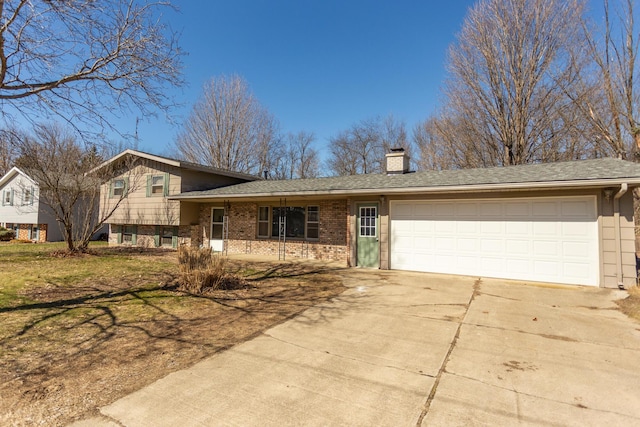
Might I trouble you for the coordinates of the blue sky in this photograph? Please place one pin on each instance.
(317, 65)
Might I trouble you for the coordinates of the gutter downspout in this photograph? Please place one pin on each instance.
(616, 224)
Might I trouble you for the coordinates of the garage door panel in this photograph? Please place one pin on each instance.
(575, 250)
(444, 227)
(545, 209)
(575, 209)
(516, 266)
(518, 210)
(575, 229)
(491, 227)
(490, 210)
(467, 227)
(444, 244)
(518, 247)
(494, 246)
(468, 245)
(545, 248)
(444, 210)
(545, 228)
(520, 228)
(466, 210)
(550, 239)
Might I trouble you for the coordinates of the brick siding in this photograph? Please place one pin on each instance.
(24, 232)
(243, 222)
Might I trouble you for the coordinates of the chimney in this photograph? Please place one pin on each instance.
(397, 161)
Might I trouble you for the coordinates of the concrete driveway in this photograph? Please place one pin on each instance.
(406, 349)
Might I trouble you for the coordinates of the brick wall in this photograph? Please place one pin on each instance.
(24, 232)
(243, 222)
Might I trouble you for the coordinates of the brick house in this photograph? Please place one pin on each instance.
(567, 222)
(22, 211)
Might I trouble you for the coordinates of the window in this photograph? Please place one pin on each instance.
(291, 219)
(167, 236)
(217, 223)
(27, 197)
(368, 216)
(263, 221)
(128, 234)
(158, 185)
(313, 220)
(297, 222)
(117, 187)
(7, 199)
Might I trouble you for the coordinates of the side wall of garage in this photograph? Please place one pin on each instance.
(611, 247)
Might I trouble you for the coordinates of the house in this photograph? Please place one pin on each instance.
(567, 222)
(22, 211)
(139, 191)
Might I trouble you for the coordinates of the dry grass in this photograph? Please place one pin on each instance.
(76, 333)
(202, 270)
(631, 305)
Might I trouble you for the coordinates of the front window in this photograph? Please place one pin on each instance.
(313, 221)
(157, 185)
(263, 221)
(292, 222)
(118, 188)
(7, 197)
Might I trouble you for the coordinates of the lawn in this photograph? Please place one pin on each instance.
(76, 333)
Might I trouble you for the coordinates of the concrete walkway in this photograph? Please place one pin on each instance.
(406, 349)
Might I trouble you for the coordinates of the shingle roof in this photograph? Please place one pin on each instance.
(586, 173)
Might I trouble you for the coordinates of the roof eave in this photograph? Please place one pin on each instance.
(473, 188)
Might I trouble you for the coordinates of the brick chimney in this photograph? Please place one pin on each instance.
(397, 161)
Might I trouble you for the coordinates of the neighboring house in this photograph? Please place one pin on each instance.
(140, 189)
(566, 222)
(22, 211)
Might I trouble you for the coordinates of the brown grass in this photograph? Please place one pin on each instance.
(631, 305)
(77, 333)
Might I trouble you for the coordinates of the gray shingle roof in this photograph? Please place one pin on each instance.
(596, 172)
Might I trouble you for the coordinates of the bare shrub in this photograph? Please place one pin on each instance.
(202, 270)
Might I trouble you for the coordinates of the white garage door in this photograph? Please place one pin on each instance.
(548, 240)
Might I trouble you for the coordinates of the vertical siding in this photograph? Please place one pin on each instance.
(608, 242)
(384, 234)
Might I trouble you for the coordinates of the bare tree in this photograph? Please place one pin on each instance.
(68, 181)
(510, 72)
(84, 61)
(8, 149)
(434, 154)
(612, 107)
(362, 148)
(228, 128)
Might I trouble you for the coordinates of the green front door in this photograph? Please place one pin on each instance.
(367, 244)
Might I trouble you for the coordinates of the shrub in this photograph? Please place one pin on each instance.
(202, 270)
(6, 235)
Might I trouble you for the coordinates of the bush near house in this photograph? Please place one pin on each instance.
(6, 235)
(202, 270)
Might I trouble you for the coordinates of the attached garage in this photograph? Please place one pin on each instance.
(552, 239)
